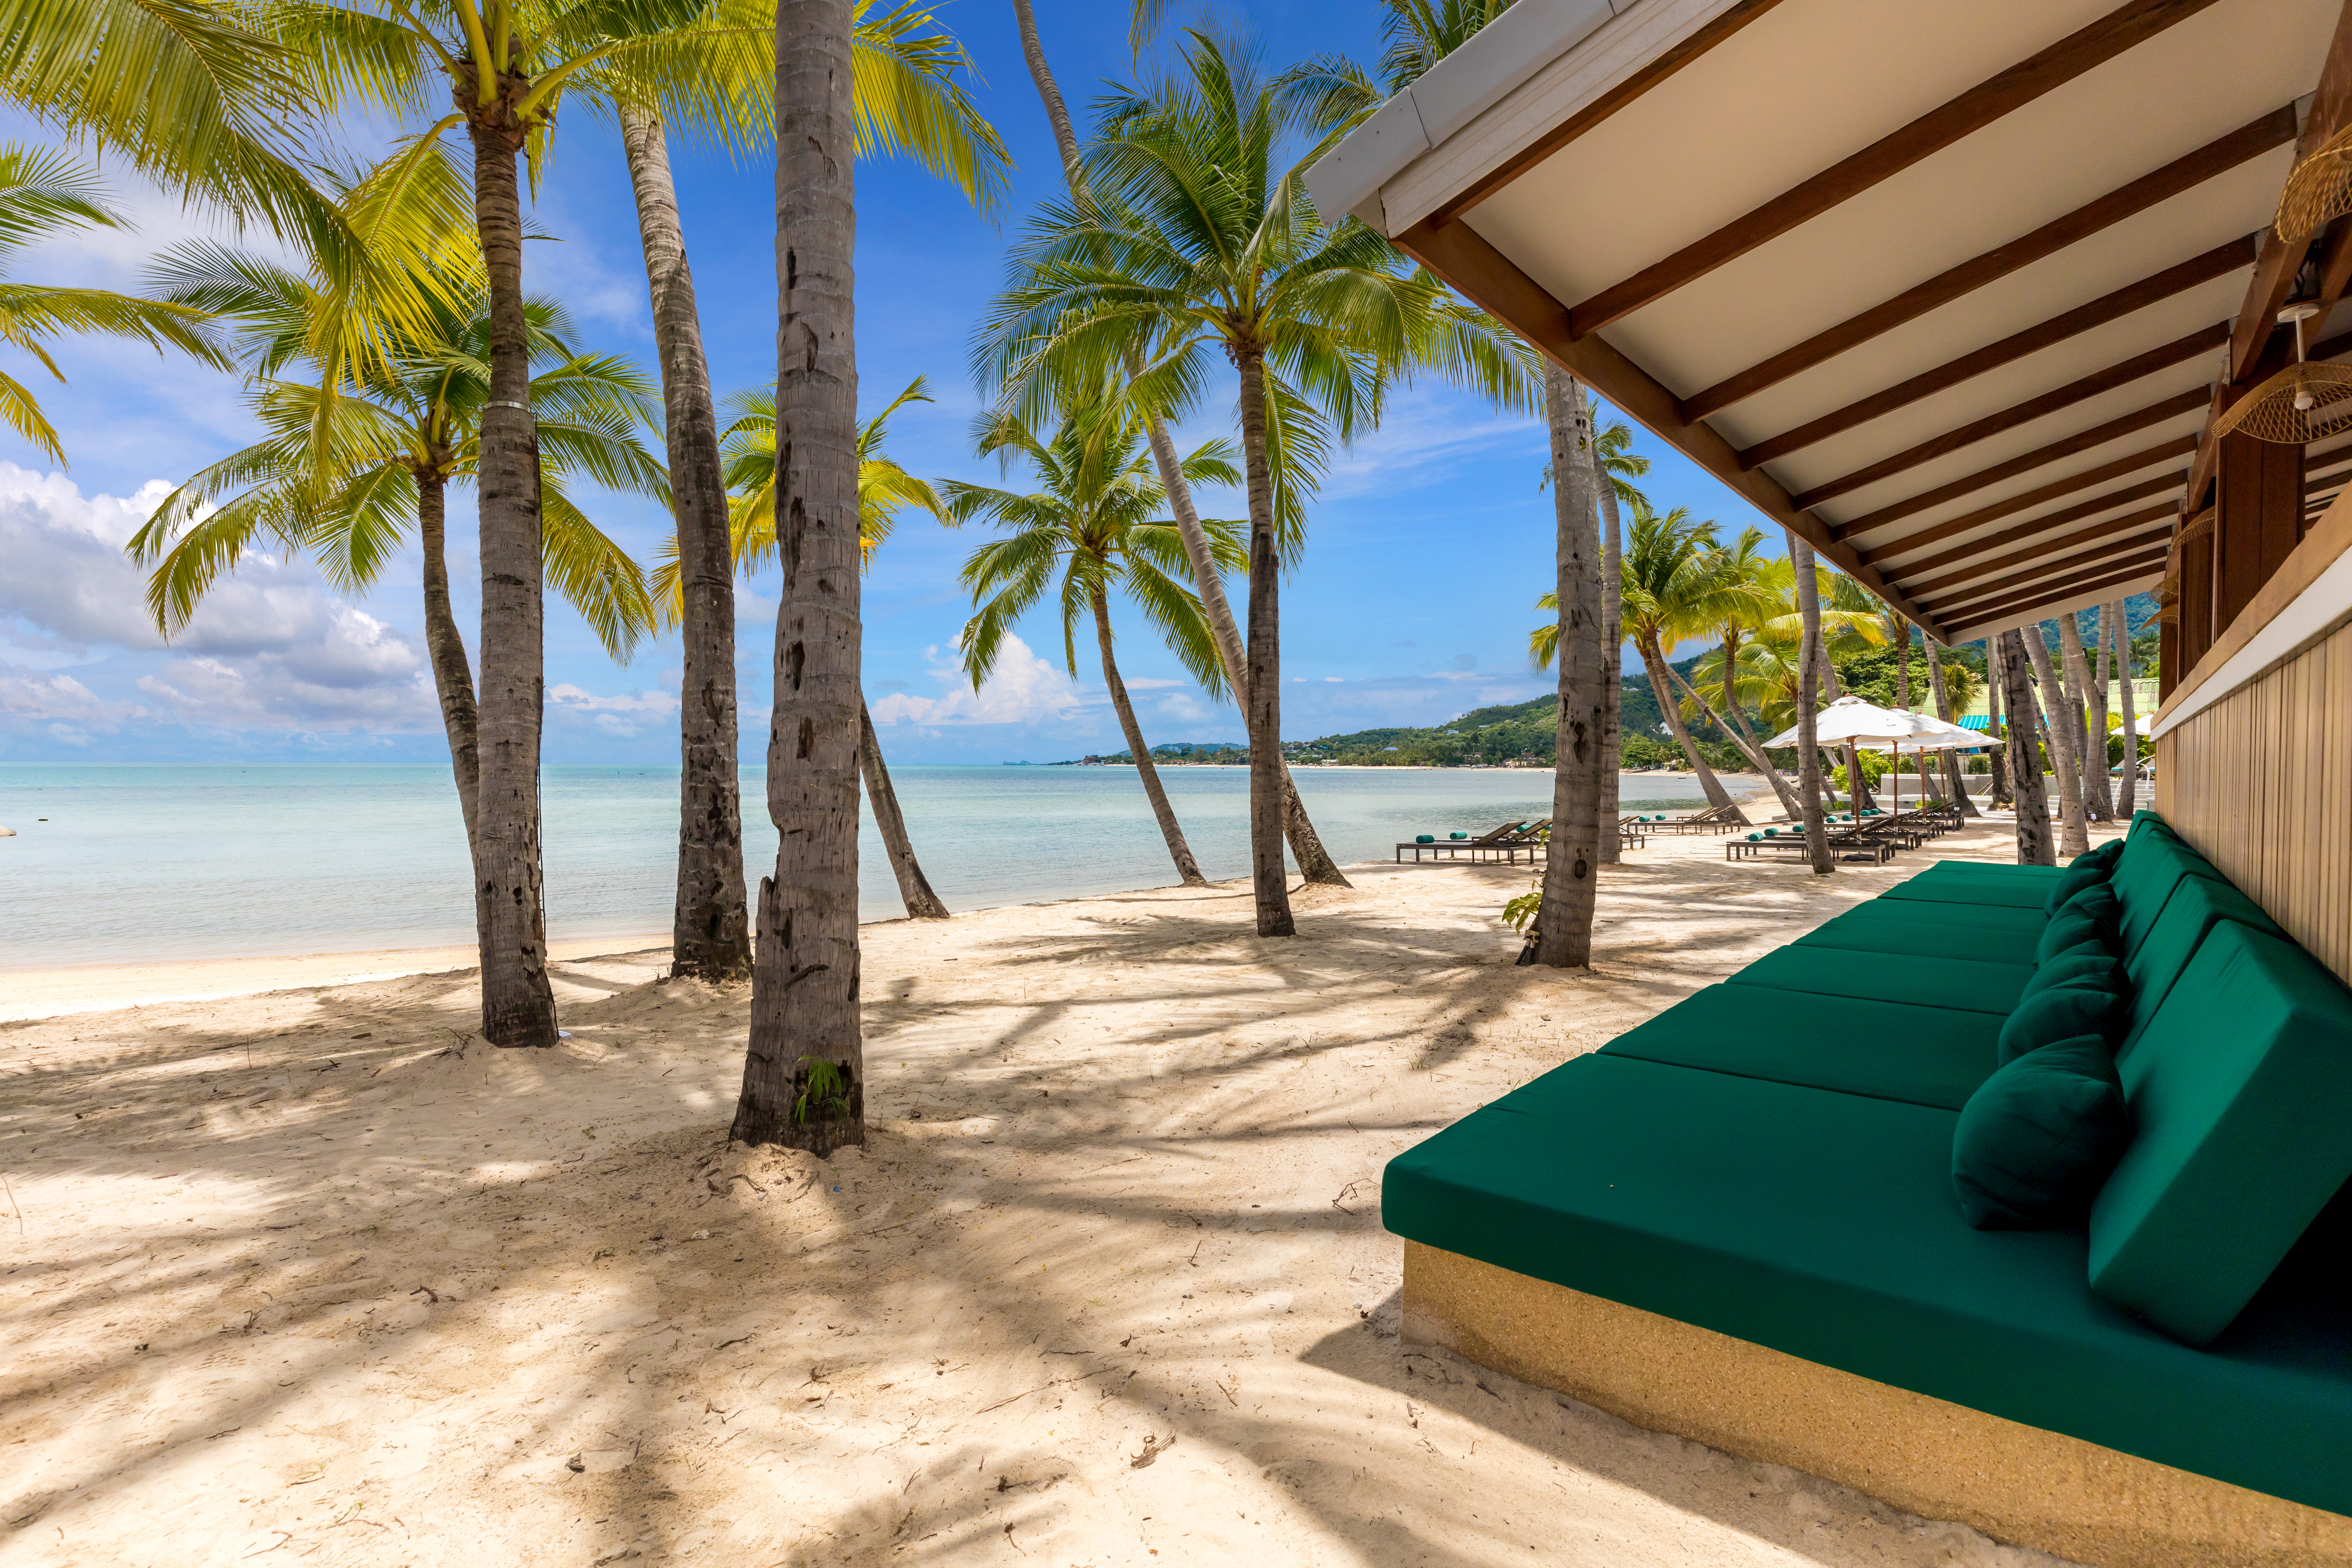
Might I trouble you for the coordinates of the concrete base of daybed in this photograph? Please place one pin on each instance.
(2015, 1483)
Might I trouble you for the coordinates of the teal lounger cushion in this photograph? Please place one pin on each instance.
(2038, 1137)
(2015, 893)
(1823, 1225)
(2242, 1086)
(1919, 981)
(1457, 835)
(1923, 1056)
(1425, 838)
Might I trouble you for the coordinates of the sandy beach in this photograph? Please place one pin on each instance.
(296, 1268)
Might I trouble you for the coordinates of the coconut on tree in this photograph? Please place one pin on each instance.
(1092, 527)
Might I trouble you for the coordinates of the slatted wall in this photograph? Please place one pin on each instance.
(2261, 783)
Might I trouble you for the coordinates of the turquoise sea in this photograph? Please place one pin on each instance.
(136, 863)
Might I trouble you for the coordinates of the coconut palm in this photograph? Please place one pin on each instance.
(508, 67)
(884, 491)
(1315, 862)
(1675, 588)
(44, 195)
(1194, 240)
(906, 97)
(805, 1067)
(1088, 529)
(344, 474)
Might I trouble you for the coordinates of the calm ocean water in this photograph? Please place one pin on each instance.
(137, 864)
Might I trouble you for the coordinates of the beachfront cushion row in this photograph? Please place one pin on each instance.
(1772, 1159)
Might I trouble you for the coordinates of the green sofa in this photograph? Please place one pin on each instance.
(1770, 1159)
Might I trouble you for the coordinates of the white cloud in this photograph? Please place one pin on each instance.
(269, 648)
(1021, 690)
(627, 713)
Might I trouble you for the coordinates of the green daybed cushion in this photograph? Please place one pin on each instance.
(1824, 1226)
(1939, 912)
(2242, 1086)
(1937, 980)
(2016, 892)
(1922, 1056)
(1863, 931)
(2153, 864)
(2173, 937)
(1990, 870)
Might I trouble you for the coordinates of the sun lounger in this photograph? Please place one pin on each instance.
(1874, 848)
(1714, 819)
(1445, 848)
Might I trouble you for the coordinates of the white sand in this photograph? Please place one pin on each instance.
(314, 1274)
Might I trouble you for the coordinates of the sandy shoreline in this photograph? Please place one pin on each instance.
(312, 1270)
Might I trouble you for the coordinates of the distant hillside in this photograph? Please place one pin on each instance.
(1523, 733)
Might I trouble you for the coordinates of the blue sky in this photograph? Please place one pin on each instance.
(1428, 546)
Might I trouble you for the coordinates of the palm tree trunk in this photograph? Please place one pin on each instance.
(1662, 687)
(1955, 780)
(1901, 631)
(1613, 679)
(1996, 703)
(1315, 862)
(2065, 741)
(805, 974)
(711, 932)
(1187, 869)
(518, 1002)
(2025, 773)
(1572, 862)
(1744, 739)
(2097, 718)
(1810, 657)
(1263, 695)
(914, 887)
(2089, 716)
(453, 678)
(2128, 796)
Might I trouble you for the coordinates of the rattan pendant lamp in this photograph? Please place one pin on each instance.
(2303, 402)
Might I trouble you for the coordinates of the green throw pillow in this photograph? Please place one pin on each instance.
(2088, 965)
(2071, 929)
(2084, 873)
(2105, 855)
(2059, 1013)
(2038, 1138)
(2099, 901)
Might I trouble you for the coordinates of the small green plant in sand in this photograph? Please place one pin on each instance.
(824, 1092)
(1521, 913)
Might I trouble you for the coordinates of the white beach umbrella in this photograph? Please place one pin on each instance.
(1898, 730)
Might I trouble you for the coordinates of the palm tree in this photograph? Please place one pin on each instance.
(1090, 525)
(1953, 689)
(805, 1069)
(2127, 792)
(2015, 673)
(905, 97)
(342, 473)
(1193, 240)
(507, 68)
(1767, 582)
(1563, 921)
(1675, 589)
(2065, 742)
(1315, 862)
(884, 491)
(43, 195)
(1620, 465)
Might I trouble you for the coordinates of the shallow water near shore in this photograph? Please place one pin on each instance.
(142, 864)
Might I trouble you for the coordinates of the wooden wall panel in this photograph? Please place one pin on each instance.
(2261, 783)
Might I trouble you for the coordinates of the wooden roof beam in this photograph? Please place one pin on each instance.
(1459, 253)
(2082, 389)
(2282, 258)
(2140, 529)
(2132, 23)
(2275, 129)
(1964, 603)
(1982, 618)
(2043, 523)
(2108, 306)
(2041, 457)
(1879, 555)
